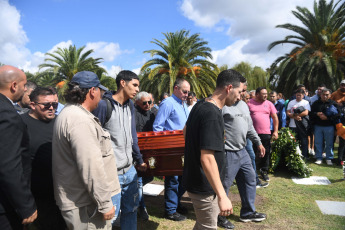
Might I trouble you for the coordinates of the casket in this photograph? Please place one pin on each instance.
(163, 152)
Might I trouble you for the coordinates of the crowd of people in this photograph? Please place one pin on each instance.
(75, 166)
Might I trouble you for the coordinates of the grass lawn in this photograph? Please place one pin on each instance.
(287, 205)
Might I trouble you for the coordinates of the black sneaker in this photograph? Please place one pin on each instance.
(260, 184)
(175, 217)
(142, 213)
(224, 223)
(256, 217)
(182, 210)
(264, 175)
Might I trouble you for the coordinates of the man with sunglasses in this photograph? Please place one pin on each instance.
(144, 119)
(41, 117)
(172, 115)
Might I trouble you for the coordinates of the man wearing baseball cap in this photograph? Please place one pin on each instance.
(84, 166)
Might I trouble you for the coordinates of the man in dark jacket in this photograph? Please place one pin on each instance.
(324, 115)
(144, 117)
(280, 110)
(17, 205)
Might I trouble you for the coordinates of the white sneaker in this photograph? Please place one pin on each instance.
(318, 162)
(329, 162)
(312, 152)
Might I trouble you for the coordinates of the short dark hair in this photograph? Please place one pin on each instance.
(327, 90)
(31, 85)
(40, 91)
(229, 77)
(178, 82)
(125, 75)
(272, 92)
(300, 86)
(322, 85)
(258, 90)
(191, 94)
(299, 91)
(74, 94)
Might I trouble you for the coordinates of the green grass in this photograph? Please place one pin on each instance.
(287, 205)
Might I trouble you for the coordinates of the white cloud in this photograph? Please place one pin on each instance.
(106, 50)
(137, 71)
(251, 22)
(12, 36)
(112, 70)
(61, 45)
(13, 42)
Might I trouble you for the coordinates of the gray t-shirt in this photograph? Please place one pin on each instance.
(238, 127)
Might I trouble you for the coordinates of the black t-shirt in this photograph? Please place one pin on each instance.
(41, 134)
(205, 130)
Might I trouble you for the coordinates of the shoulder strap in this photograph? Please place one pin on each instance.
(109, 109)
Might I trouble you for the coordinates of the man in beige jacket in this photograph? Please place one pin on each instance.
(84, 166)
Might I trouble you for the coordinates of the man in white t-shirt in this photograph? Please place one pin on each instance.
(299, 121)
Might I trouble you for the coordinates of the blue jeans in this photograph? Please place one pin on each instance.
(250, 151)
(129, 199)
(141, 182)
(116, 199)
(324, 133)
(173, 193)
(239, 167)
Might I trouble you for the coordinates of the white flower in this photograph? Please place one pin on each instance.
(298, 151)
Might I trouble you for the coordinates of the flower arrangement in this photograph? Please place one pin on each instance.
(285, 150)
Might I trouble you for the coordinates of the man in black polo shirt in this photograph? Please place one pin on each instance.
(204, 151)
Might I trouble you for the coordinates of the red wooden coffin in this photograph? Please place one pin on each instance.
(163, 152)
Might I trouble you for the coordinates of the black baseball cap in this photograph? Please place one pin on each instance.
(87, 79)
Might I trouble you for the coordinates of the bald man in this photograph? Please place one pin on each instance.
(17, 205)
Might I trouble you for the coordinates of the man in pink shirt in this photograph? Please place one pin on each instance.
(261, 110)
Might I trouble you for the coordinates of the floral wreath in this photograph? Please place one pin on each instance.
(286, 150)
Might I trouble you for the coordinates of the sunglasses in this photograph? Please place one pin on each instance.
(48, 105)
(147, 102)
(183, 91)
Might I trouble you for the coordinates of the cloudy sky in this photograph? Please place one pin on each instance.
(119, 31)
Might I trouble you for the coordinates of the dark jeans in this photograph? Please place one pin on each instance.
(239, 167)
(264, 162)
(341, 149)
(173, 193)
(142, 181)
(10, 220)
(250, 150)
(303, 139)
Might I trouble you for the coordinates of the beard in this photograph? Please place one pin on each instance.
(342, 90)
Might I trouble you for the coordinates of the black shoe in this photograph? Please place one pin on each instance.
(175, 217)
(142, 213)
(260, 184)
(256, 217)
(182, 210)
(224, 223)
(264, 175)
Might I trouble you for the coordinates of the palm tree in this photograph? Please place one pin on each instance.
(69, 61)
(181, 56)
(319, 54)
(256, 77)
(108, 82)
